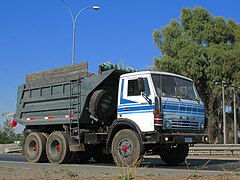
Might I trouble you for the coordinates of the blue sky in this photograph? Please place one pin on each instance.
(36, 35)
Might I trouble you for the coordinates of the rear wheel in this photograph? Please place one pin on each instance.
(127, 148)
(45, 135)
(58, 147)
(175, 155)
(35, 147)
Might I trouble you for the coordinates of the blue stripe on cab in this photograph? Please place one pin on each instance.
(135, 108)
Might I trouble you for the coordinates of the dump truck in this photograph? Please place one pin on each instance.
(118, 114)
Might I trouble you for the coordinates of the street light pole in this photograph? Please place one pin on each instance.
(74, 20)
(223, 83)
(234, 114)
(224, 113)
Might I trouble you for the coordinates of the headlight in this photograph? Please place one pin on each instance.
(205, 139)
(166, 139)
(167, 124)
(202, 126)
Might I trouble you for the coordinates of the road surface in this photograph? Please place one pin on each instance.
(150, 166)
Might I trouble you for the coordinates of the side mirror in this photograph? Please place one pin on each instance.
(141, 86)
(158, 104)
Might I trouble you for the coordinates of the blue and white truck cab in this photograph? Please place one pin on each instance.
(164, 100)
(167, 110)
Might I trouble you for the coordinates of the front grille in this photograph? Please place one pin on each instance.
(184, 124)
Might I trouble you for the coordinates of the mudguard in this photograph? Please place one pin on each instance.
(121, 123)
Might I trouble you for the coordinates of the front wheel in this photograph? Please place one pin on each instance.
(127, 148)
(175, 155)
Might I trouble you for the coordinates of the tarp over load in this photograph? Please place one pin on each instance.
(108, 66)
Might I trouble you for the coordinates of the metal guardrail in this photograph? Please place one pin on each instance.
(13, 150)
(8, 148)
(198, 149)
(211, 149)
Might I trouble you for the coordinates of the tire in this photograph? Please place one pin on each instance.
(58, 148)
(26, 132)
(99, 156)
(175, 156)
(35, 148)
(127, 148)
(46, 135)
(102, 104)
(80, 157)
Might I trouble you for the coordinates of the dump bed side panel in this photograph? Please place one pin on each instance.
(38, 104)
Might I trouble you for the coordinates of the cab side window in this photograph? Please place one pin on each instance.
(133, 88)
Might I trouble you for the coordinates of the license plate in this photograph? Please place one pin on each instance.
(188, 140)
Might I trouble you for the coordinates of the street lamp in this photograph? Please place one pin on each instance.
(74, 20)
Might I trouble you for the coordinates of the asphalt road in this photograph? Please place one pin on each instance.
(150, 165)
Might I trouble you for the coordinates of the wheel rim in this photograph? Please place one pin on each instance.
(33, 148)
(55, 148)
(106, 103)
(125, 149)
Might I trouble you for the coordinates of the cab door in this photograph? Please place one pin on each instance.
(136, 105)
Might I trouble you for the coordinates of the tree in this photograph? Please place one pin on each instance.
(206, 49)
(7, 134)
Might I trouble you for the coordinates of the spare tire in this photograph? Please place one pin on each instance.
(102, 104)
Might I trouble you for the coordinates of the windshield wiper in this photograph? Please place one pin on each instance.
(169, 95)
(188, 97)
(177, 98)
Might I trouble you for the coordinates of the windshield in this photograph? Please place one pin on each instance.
(171, 86)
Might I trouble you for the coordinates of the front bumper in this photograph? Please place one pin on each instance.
(182, 138)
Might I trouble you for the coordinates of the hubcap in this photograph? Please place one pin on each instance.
(106, 103)
(55, 148)
(125, 148)
(58, 148)
(35, 148)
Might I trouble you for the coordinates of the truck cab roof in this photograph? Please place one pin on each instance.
(153, 72)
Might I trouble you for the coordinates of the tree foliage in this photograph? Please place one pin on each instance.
(206, 49)
(7, 134)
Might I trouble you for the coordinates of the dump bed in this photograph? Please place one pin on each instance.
(58, 95)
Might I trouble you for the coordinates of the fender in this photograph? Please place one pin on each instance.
(120, 124)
